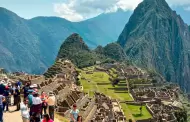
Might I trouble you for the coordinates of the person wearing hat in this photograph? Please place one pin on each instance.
(51, 104)
(74, 113)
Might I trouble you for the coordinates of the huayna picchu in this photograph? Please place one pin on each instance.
(157, 38)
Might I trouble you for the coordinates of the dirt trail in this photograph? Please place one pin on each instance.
(15, 116)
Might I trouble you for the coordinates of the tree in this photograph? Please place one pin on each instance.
(140, 110)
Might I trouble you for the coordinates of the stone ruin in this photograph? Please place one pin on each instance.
(161, 112)
(65, 96)
(147, 94)
(132, 72)
(106, 110)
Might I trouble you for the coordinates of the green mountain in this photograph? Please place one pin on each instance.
(157, 38)
(75, 49)
(32, 45)
(114, 51)
(19, 47)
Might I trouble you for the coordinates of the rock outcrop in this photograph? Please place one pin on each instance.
(157, 38)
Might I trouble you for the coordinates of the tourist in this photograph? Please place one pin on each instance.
(11, 92)
(19, 83)
(51, 104)
(35, 117)
(36, 107)
(46, 118)
(2, 99)
(25, 89)
(44, 103)
(30, 96)
(74, 113)
(17, 98)
(2, 87)
(14, 95)
(7, 97)
(24, 111)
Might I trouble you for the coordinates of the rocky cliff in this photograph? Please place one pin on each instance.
(157, 38)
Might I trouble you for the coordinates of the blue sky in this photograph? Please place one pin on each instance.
(77, 10)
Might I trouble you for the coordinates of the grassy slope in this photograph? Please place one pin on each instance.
(134, 110)
(92, 82)
(95, 85)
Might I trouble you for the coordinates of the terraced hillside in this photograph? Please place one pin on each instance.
(97, 79)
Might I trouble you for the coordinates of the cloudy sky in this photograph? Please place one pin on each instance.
(77, 10)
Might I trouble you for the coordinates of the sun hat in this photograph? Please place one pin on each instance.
(35, 85)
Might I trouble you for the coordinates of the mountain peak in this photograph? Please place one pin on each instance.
(157, 38)
(74, 43)
(158, 6)
(75, 37)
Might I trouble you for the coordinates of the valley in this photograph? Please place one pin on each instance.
(111, 92)
(116, 67)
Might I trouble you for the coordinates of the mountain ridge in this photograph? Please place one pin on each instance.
(75, 50)
(157, 38)
(37, 40)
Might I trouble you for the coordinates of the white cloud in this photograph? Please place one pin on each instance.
(77, 10)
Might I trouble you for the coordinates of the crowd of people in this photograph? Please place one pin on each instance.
(7, 91)
(34, 106)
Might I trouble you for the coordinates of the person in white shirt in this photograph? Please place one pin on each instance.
(51, 104)
(36, 107)
(24, 111)
(36, 100)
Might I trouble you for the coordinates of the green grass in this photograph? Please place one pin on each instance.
(136, 112)
(113, 71)
(127, 112)
(99, 81)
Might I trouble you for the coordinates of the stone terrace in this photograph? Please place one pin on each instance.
(107, 110)
(162, 112)
(145, 94)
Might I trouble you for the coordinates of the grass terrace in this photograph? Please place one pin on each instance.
(134, 110)
(113, 72)
(99, 81)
